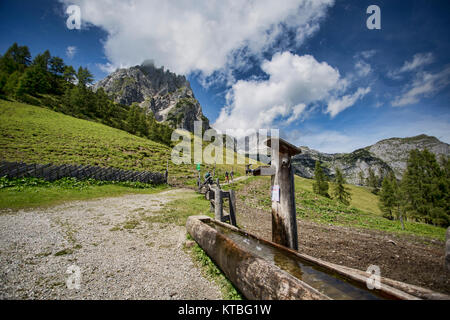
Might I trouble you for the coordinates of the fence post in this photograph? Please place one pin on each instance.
(233, 208)
(218, 204)
(167, 172)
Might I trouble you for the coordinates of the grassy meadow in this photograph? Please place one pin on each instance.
(34, 134)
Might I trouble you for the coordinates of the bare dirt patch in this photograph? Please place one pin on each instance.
(411, 259)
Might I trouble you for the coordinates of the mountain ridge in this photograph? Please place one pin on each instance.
(167, 95)
(387, 155)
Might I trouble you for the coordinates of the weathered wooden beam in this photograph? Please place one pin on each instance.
(233, 208)
(264, 171)
(166, 174)
(256, 278)
(218, 205)
(225, 194)
(284, 219)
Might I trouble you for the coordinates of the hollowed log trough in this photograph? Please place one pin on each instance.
(276, 278)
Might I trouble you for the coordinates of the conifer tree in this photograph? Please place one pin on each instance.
(84, 77)
(388, 200)
(69, 74)
(143, 126)
(320, 186)
(399, 197)
(34, 80)
(373, 182)
(56, 66)
(341, 192)
(133, 119)
(425, 189)
(361, 178)
(16, 58)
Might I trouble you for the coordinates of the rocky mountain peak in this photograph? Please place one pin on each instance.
(395, 151)
(167, 95)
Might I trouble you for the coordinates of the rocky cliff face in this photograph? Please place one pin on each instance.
(167, 95)
(383, 157)
(395, 151)
(349, 163)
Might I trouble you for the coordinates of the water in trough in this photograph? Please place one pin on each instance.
(331, 284)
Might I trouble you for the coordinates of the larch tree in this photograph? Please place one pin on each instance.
(341, 193)
(320, 186)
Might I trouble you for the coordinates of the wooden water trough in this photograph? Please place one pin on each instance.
(264, 270)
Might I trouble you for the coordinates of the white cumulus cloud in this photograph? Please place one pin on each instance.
(187, 36)
(294, 83)
(71, 51)
(107, 67)
(337, 105)
(363, 68)
(368, 54)
(418, 61)
(425, 84)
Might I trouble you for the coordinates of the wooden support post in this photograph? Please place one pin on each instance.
(211, 206)
(218, 204)
(284, 219)
(209, 195)
(166, 176)
(233, 208)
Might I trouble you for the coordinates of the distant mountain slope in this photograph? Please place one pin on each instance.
(383, 157)
(395, 151)
(167, 95)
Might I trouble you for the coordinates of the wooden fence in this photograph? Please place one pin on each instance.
(216, 196)
(52, 172)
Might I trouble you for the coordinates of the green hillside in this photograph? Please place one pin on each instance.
(37, 135)
(363, 212)
(362, 198)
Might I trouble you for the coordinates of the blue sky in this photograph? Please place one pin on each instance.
(315, 71)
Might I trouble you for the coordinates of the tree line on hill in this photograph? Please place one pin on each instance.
(423, 193)
(47, 81)
(372, 181)
(320, 186)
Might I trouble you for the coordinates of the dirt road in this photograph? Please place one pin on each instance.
(118, 257)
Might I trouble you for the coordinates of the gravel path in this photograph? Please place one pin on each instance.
(118, 255)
